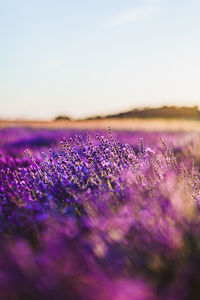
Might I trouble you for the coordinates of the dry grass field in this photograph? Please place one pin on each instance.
(125, 124)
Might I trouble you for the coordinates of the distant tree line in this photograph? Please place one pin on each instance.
(170, 112)
(161, 112)
(60, 118)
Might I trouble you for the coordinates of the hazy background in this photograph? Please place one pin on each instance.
(90, 57)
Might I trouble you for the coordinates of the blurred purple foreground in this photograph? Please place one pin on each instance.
(99, 215)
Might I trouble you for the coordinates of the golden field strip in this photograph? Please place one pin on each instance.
(123, 124)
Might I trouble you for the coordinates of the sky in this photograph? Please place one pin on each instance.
(87, 57)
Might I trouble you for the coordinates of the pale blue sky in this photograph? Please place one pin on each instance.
(87, 57)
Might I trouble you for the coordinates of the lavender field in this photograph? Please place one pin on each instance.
(99, 215)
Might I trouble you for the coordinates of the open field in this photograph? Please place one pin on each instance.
(124, 124)
(100, 215)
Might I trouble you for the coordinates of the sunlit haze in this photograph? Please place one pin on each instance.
(82, 58)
